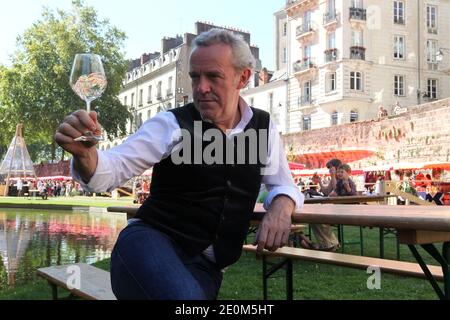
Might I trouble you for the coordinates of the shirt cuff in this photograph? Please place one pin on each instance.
(291, 192)
(102, 175)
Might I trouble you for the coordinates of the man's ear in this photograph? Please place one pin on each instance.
(244, 78)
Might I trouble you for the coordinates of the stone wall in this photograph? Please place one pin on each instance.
(421, 134)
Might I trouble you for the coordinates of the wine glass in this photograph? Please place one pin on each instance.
(88, 80)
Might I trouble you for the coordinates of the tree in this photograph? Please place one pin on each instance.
(35, 89)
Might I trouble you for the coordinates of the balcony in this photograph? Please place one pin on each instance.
(303, 66)
(306, 100)
(169, 93)
(432, 30)
(305, 31)
(359, 14)
(295, 7)
(399, 20)
(330, 55)
(357, 53)
(330, 18)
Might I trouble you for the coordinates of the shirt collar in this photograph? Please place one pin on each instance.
(246, 116)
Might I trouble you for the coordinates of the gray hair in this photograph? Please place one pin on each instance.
(242, 55)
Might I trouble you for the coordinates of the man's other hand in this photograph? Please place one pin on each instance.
(274, 230)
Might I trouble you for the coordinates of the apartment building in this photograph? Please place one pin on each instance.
(345, 58)
(160, 81)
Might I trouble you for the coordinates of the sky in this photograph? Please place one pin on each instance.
(146, 22)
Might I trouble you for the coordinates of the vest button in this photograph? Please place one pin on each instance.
(228, 183)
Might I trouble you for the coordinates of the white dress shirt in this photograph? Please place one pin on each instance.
(155, 140)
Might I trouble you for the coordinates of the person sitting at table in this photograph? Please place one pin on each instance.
(325, 237)
(344, 184)
(313, 191)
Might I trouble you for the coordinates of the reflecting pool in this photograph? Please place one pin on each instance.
(31, 239)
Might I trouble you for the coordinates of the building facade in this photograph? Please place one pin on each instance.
(160, 81)
(345, 58)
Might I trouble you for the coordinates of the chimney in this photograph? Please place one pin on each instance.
(144, 59)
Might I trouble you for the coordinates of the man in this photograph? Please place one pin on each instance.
(19, 186)
(196, 218)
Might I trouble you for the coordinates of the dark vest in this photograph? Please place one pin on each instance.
(199, 204)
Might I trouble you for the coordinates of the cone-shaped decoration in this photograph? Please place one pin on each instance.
(17, 162)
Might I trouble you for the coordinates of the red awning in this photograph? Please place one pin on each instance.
(437, 165)
(296, 166)
(319, 159)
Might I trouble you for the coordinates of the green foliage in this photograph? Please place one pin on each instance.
(35, 89)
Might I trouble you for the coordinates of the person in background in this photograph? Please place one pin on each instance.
(326, 240)
(344, 184)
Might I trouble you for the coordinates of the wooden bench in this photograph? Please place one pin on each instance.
(289, 254)
(95, 283)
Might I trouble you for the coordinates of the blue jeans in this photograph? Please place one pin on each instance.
(147, 264)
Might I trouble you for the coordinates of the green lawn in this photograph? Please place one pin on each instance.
(242, 281)
(71, 201)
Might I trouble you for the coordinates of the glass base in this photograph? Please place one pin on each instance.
(89, 136)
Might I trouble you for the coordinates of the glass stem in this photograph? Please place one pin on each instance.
(88, 105)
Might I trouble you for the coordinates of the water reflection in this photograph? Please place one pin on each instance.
(31, 239)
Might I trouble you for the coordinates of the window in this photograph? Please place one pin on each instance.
(139, 120)
(432, 19)
(284, 55)
(158, 89)
(306, 94)
(252, 102)
(270, 104)
(331, 4)
(432, 88)
(353, 116)
(357, 38)
(334, 118)
(356, 4)
(125, 102)
(141, 93)
(169, 86)
(331, 40)
(149, 94)
(432, 50)
(399, 47)
(149, 114)
(285, 29)
(132, 100)
(306, 52)
(399, 85)
(399, 12)
(306, 123)
(355, 80)
(331, 82)
(306, 20)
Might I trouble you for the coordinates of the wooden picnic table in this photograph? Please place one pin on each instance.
(348, 199)
(415, 225)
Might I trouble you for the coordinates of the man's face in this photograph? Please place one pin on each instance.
(215, 83)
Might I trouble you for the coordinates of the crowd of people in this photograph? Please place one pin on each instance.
(48, 188)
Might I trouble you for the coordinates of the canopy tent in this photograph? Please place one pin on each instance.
(17, 162)
(437, 165)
